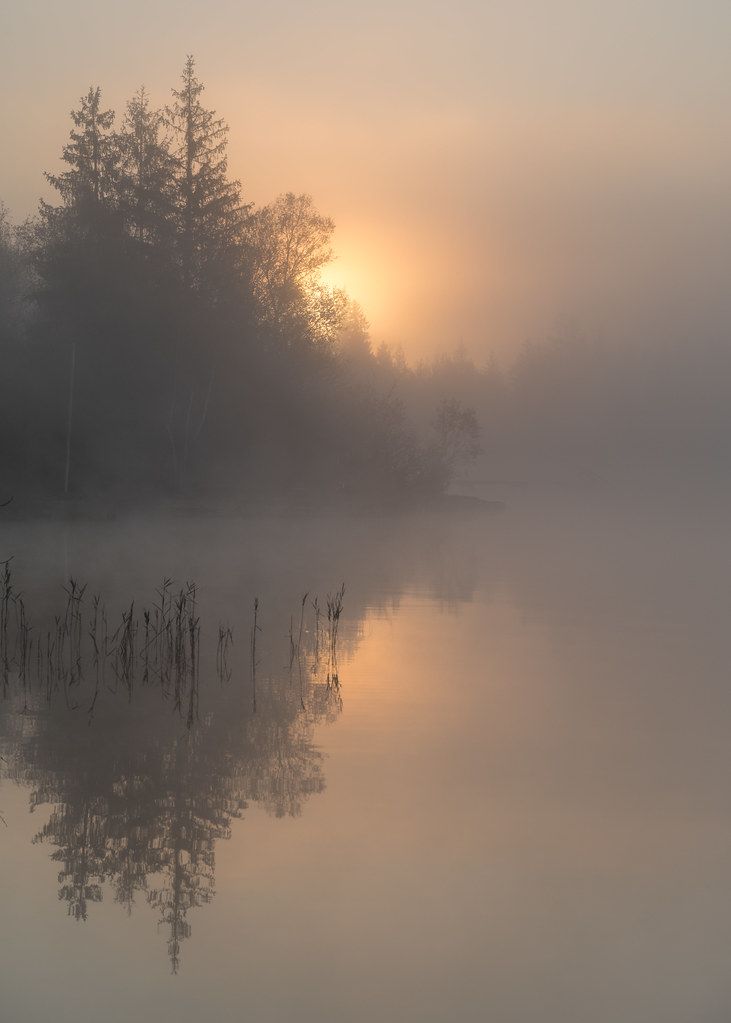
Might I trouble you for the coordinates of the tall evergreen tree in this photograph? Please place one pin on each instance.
(92, 306)
(91, 154)
(146, 185)
(74, 236)
(209, 208)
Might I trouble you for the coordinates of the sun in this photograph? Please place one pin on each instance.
(337, 275)
(360, 284)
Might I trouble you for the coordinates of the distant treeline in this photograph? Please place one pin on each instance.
(577, 411)
(160, 334)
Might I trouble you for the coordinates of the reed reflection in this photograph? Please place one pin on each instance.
(146, 743)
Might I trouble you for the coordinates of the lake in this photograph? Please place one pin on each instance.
(501, 791)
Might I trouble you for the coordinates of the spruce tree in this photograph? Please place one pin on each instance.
(146, 185)
(88, 186)
(209, 210)
(96, 320)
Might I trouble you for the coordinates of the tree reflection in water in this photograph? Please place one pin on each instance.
(143, 777)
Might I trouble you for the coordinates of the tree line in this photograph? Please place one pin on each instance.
(161, 334)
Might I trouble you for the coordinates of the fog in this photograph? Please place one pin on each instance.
(365, 449)
(167, 338)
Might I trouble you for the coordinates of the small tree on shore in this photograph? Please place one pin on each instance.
(457, 434)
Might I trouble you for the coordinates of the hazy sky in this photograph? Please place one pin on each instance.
(495, 169)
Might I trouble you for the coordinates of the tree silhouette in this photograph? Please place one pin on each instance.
(146, 185)
(139, 799)
(92, 158)
(166, 337)
(209, 208)
(290, 243)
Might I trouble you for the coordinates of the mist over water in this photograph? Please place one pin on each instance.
(514, 805)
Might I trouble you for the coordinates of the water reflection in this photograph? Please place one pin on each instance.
(145, 747)
(528, 783)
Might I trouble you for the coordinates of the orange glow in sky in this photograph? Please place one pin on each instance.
(492, 169)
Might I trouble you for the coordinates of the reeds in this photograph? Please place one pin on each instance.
(334, 612)
(318, 631)
(24, 646)
(6, 596)
(255, 628)
(158, 646)
(225, 642)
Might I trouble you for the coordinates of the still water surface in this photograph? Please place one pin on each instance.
(515, 806)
